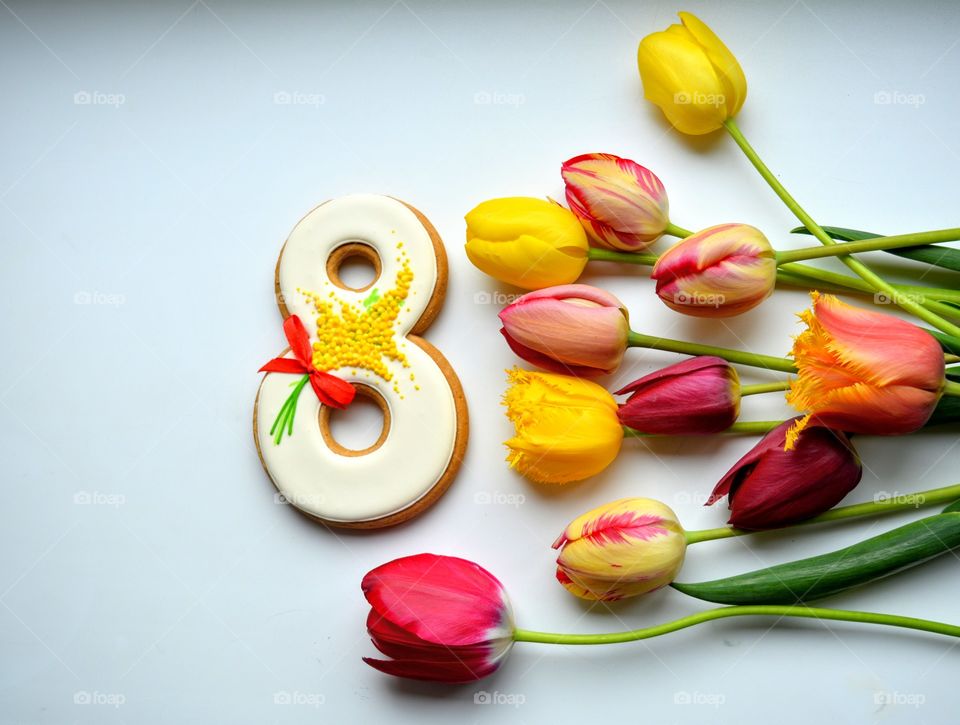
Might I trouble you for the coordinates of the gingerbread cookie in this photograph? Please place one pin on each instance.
(346, 342)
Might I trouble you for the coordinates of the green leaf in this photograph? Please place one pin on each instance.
(955, 506)
(947, 342)
(935, 254)
(947, 411)
(820, 576)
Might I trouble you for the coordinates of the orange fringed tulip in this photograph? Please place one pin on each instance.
(862, 371)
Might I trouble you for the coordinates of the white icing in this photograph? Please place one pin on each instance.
(423, 426)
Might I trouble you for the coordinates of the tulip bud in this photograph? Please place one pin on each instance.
(696, 396)
(718, 272)
(692, 76)
(622, 549)
(771, 487)
(575, 329)
(621, 204)
(864, 371)
(530, 243)
(438, 618)
(566, 428)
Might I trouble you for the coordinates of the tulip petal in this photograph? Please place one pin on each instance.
(724, 62)
(566, 428)
(624, 548)
(440, 599)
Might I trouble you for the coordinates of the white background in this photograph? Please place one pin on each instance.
(140, 232)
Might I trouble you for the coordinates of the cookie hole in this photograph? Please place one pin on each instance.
(354, 266)
(359, 429)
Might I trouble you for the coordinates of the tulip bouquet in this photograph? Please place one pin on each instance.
(851, 371)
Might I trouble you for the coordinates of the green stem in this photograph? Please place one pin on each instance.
(608, 255)
(764, 388)
(951, 388)
(802, 275)
(769, 362)
(892, 504)
(858, 267)
(674, 231)
(869, 245)
(745, 427)
(759, 610)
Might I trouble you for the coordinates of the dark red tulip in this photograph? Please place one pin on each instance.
(770, 487)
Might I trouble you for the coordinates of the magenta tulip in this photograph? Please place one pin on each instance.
(438, 618)
(696, 396)
(620, 204)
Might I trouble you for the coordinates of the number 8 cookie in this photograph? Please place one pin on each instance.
(346, 341)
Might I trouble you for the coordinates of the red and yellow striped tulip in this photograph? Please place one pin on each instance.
(621, 204)
(622, 549)
(720, 271)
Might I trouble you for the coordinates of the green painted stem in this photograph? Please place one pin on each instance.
(746, 427)
(892, 504)
(756, 610)
(869, 245)
(858, 267)
(768, 362)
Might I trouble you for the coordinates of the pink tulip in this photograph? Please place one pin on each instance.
(438, 618)
(574, 329)
(770, 487)
(718, 272)
(700, 395)
(621, 204)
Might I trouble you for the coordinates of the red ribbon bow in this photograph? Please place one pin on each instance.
(330, 389)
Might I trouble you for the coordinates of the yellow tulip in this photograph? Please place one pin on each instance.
(692, 76)
(622, 549)
(527, 242)
(566, 428)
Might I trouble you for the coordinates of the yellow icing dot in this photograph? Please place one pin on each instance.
(361, 336)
